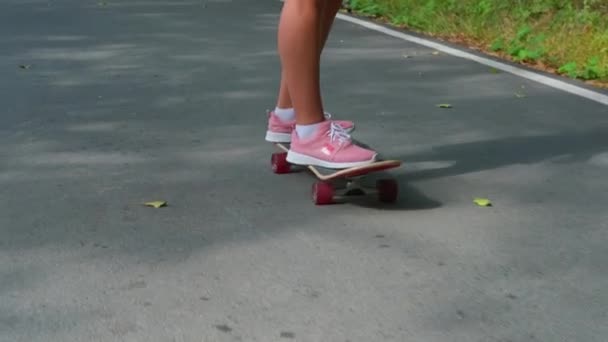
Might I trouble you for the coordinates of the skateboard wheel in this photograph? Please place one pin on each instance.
(387, 190)
(322, 193)
(279, 163)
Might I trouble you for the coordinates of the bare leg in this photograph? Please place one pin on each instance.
(328, 14)
(331, 8)
(299, 39)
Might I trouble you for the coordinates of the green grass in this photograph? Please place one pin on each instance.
(569, 37)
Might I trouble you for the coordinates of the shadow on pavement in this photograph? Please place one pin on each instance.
(564, 147)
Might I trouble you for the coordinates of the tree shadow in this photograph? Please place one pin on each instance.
(563, 147)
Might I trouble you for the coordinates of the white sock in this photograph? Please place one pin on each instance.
(304, 131)
(285, 114)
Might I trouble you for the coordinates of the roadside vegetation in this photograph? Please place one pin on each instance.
(567, 37)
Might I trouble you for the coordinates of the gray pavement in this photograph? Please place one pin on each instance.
(142, 100)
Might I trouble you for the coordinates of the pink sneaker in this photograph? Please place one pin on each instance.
(330, 147)
(280, 131)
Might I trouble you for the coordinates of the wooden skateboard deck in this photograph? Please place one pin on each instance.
(324, 191)
(350, 172)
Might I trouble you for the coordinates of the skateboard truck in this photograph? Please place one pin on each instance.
(325, 192)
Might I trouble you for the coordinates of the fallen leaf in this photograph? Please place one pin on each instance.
(494, 71)
(520, 94)
(444, 105)
(407, 56)
(435, 53)
(156, 204)
(482, 202)
(25, 66)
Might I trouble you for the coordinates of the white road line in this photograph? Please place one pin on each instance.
(570, 88)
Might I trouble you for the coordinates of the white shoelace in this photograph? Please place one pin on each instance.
(337, 132)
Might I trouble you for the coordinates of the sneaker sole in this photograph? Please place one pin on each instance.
(302, 159)
(278, 137)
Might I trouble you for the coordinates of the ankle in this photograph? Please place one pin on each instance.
(307, 130)
(285, 114)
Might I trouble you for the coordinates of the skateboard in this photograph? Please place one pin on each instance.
(335, 185)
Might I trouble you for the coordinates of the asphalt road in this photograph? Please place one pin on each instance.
(124, 102)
